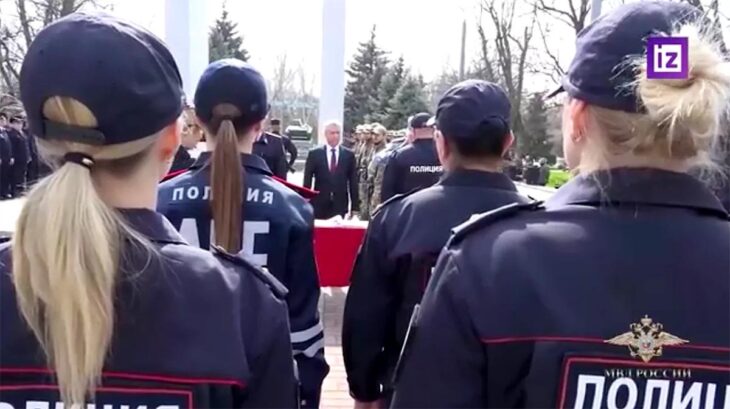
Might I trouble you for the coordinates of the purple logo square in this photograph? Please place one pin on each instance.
(667, 58)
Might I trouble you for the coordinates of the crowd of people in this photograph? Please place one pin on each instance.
(20, 164)
(116, 291)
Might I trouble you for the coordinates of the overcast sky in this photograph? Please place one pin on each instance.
(426, 32)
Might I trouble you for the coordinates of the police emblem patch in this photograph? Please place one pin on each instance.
(646, 339)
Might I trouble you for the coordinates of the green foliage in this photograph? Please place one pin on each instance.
(392, 82)
(224, 40)
(535, 140)
(408, 100)
(366, 74)
(558, 177)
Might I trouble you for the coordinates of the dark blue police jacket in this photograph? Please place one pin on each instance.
(410, 167)
(394, 265)
(616, 294)
(192, 330)
(278, 234)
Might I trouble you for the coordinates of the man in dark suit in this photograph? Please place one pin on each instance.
(335, 176)
(271, 148)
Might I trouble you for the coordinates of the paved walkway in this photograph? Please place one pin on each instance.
(335, 393)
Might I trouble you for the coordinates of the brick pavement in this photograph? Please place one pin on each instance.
(335, 393)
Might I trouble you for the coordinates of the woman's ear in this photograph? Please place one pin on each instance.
(508, 142)
(442, 148)
(170, 141)
(578, 119)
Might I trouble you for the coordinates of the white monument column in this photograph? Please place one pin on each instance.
(332, 74)
(186, 33)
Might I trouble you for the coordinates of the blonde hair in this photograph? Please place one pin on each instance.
(683, 118)
(66, 254)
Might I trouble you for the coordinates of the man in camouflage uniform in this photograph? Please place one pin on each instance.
(366, 155)
(376, 169)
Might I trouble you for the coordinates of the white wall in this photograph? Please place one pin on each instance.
(186, 33)
(332, 74)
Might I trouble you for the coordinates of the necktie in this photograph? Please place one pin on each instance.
(333, 161)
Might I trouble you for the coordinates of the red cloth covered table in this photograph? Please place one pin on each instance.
(335, 249)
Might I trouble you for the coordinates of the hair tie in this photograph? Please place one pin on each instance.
(79, 158)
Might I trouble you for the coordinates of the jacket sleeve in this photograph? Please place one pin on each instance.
(369, 313)
(444, 361)
(309, 170)
(292, 150)
(282, 166)
(353, 185)
(390, 179)
(307, 332)
(273, 384)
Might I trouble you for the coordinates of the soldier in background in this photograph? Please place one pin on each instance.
(366, 157)
(362, 164)
(370, 202)
(288, 144)
(362, 133)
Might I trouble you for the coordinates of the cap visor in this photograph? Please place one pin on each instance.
(556, 92)
(431, 121)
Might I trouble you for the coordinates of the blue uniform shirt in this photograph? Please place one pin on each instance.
(394, 265)
(616, 294)
(278, 234)
(192, 330)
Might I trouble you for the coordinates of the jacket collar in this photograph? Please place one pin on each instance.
(152, 225)
(478, 178)
(249, 161)
(635, 186)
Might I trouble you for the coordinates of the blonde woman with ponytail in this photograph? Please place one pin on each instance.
(101, 301)
(230, 200)
(616, 291)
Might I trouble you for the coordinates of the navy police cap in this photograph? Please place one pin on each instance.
(121, 72)
(473, 109)
(419, 120)
(232, 81)
(601, 72)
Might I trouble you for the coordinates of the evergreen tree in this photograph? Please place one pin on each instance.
(392, 81)
(224, 40)
(408, 100)
(535, 141)
(366, 73)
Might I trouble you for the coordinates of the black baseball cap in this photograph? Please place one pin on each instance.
(121, 72)
(419, 120)
(232, 81)
(276, 121)
(473, 109)
(601, 72)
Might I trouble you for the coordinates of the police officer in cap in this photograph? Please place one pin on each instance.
(414, 166)
(271, 148)
(407, 232)
(229, 198)
(95, 283)
(616, 292)
(289, 146)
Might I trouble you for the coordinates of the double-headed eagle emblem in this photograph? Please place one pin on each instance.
(646, 339)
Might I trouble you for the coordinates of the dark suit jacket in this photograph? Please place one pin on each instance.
(271, 148)
(335, 189)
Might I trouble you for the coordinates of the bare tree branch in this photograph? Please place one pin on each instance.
(555, 70)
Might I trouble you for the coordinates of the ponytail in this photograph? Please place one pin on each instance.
(226, 199)
(66, 254)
